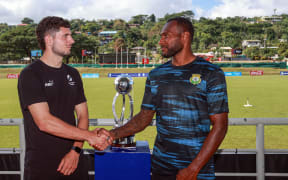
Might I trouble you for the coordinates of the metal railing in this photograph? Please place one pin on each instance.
(260, 150)
(21, 150)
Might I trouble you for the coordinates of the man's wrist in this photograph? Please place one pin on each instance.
(113, 134)
(77, 149)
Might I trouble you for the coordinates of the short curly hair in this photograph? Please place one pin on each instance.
(185, 24)
(49, 25)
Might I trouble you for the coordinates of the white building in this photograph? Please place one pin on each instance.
(224, 51)
(271, 19)
(251, 43)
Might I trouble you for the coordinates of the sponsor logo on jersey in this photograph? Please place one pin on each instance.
(195, 79)
(50, 83)
(70, 80)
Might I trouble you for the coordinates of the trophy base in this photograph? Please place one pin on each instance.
(123, 147)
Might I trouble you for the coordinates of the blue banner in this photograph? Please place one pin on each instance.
(129, 74)
(36, 53)
(233, 73)
(284, 73)
(90, 75)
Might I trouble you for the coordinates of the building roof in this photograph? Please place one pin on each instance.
(108, 32)
(22, 24)
(252, 40)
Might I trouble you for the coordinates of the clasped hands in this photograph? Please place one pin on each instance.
(100, 139)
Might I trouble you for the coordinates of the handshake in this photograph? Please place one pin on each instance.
(100, 139)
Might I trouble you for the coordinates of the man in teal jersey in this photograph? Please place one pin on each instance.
(188, 94)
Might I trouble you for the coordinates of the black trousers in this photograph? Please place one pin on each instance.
(48, 171)
(156, 176)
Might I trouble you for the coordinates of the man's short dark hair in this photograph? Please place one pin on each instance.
(49, 24)
(185, 24)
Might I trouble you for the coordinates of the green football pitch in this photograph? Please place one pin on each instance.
(267, 94)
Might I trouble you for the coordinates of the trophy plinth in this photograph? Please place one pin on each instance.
(126, 143)
(123, 86)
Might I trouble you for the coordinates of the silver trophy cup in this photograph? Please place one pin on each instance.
(123, 86)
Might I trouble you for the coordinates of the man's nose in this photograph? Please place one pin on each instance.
(161, 41)
(72, 41)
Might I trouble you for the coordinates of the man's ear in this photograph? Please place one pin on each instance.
(48, 40)
(186, 36)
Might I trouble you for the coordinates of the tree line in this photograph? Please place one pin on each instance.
(16, 42)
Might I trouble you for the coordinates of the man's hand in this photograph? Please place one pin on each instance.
(102, 131)
(69, 163)
(100, 139)
(187, 174)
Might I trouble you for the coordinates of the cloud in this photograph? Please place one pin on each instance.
(13, 11)
(90, 9)
(4, 11)
(247, 8)
(125, 9)
(6, 14)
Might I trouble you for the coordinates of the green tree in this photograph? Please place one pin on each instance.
(27, 20)
(283, 49)
(106, 24)
(152, 18)
(133, 37)
(77, 24)
(252, 52)
(82, 42)
(139, 19)
(92, 27)
(119, 43)
(4, 27)
(120, 24)
(186, 14)
(18, 42)
(270, 34)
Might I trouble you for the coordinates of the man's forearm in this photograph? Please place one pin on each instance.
(83, 120)
(136, 124)
(82, 124)
(62, 129)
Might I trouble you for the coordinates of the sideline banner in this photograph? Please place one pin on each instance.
(284, 73)
(233, 73)
(129, 74)
(36, 53)
(256, 73)
(12, 76)
(90, 75)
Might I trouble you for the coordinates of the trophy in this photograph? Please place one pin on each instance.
(123, 86)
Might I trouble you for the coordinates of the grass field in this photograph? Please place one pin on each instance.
(266, 93)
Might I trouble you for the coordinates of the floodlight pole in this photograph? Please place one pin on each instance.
(127, 57)
(95, 54)
(121, 57)
(116, 56)
(138, 56)
(145, 57)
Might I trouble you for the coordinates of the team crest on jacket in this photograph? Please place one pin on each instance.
(70, 80)
(195, 79)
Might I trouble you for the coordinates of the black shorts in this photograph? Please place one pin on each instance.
(48, 171)
(156, 176)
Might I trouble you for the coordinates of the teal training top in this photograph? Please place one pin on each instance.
(183, 98)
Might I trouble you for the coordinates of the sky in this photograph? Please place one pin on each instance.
(13, 11)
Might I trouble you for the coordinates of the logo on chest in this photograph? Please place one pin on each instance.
(195, 79)
(50, 83)
(71, 82)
